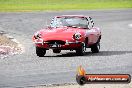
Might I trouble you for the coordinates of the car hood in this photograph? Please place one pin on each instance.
(63, 33)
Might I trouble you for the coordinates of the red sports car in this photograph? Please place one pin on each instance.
(68, 32)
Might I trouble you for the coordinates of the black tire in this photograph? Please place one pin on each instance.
(81, 51)
(95, 48)
(81, 80)
(56, 51)
(40, 52)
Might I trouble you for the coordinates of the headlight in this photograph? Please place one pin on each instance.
(37, 35)
(77, 36)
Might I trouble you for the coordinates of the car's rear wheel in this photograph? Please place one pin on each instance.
(56, 51)
(40, 51)
(95, 48)
(81, 51)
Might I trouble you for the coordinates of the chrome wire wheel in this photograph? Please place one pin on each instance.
(81, 51)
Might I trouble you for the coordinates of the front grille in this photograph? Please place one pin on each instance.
(56, 42)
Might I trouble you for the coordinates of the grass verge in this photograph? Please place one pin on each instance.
(46, 5)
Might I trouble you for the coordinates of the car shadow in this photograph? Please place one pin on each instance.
(101, 53)
(109, 53)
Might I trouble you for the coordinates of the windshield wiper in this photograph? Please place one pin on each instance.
(72, 26)
(76, 27)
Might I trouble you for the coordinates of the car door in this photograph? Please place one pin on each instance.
(92, 32)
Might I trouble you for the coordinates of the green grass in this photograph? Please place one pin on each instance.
(46, 5)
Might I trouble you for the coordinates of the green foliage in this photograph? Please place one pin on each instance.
(42, 5)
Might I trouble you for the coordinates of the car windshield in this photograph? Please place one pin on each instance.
(79, 22)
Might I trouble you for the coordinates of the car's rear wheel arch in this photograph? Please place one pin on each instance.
(96, 47)
(99, 39)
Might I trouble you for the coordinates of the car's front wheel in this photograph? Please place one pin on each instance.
(56, 51)
(95, 48)
(40, 51)
(81, 51)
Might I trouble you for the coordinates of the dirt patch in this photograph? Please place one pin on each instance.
(6, 41)
(8, 46)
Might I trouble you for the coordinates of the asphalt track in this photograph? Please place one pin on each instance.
(27, 69)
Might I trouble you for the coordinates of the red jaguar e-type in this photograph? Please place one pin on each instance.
(68, 32)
